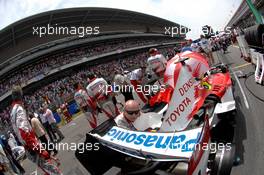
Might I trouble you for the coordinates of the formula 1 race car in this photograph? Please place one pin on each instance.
(185, 129)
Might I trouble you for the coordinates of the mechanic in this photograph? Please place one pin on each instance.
(157, 66)
(85, 104)
(124, 86)
(65, 112)
(130, 114)
(18, 152)
(139, 91)
(99, 91)
(154, 52)
(27, 137)
(11, 140)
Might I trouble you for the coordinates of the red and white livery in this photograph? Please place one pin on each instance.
(99, 90)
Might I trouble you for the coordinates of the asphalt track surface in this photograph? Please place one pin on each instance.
(249, 124)
(250, 115)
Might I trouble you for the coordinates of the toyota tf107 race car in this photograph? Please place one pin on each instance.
(185, 129)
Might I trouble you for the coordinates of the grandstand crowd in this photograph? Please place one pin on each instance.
(46, 64)
(60, 90)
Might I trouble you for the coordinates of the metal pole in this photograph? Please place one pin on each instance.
(255, 12)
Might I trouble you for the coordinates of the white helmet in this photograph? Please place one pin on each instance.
(119, 79)
(136, 74)
(157, 63)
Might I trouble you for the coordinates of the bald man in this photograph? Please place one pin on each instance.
(130, 114)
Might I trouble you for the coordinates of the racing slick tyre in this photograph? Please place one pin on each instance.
(223, 161)
(253, 35)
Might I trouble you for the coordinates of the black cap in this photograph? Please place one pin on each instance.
(91, 76)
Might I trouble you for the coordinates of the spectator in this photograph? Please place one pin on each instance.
(50, 118)
(47, 126)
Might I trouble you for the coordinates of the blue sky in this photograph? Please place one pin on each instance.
(191, 13)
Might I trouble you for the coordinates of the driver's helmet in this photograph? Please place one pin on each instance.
(157, 63)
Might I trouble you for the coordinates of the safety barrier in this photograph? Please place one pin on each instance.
(72, 109)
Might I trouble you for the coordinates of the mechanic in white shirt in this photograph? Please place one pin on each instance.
(99, 91)
(156, 62)
(85, 104)
(139, 92)
(123, 85)
(156, 66)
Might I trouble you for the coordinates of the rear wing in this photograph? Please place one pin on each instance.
(150, 145)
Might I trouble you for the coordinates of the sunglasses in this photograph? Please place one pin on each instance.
(133, 112)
